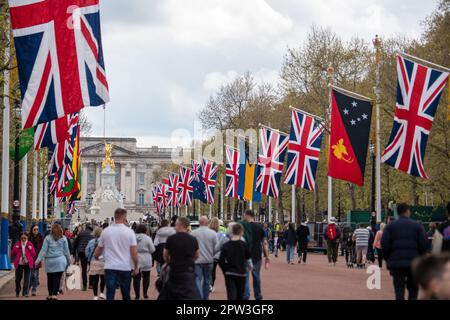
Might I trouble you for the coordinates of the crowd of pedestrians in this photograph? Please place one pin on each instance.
(187, 261)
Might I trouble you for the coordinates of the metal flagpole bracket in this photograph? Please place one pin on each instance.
(437, 66)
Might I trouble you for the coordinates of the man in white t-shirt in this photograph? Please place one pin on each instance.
(119, 248)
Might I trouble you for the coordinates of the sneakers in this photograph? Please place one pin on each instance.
(102, 296)
(95, 298)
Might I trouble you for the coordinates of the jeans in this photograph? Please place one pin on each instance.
(25, 272)
(114, 278)
(203, 274)
(34, 280)
(332, 250)
(290, 250)
(403, 277)
(256, 275)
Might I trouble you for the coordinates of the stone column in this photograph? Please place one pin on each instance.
(98, 170)
(84, 181)
(133, 183)
(122, 179)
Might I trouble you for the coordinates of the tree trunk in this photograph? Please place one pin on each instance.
(351, 189)
(414, 195)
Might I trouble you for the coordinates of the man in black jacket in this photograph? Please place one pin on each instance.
(402, 241)
(79, 247)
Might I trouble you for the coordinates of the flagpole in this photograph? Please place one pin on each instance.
(5, 262)
(34, 191)
(377, 45)
(222, 193)
(41, 201)
(23, 193)
(330, 180)
(45, 186)
(270, 209)
(293, 203)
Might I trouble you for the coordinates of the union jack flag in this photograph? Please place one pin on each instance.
(232, 172)
(60, 58)
(196, 170)
(185, 186)
(209, 173)
(419, 89)
(172, 190)
(162, 195)
(155, 198)
(272, 150)
(53, 132)
(303, 150)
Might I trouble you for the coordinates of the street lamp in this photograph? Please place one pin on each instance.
(15, 229)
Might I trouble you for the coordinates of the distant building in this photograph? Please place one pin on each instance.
(134, 167)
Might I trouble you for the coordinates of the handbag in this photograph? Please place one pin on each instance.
(163, 277)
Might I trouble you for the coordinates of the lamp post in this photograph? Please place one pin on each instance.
(16, 228)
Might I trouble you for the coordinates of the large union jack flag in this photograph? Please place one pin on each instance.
(185, 186)
(272, 150)
(209, 174)
(60, 59)
(232, 172)
(303, 150)
(419, 89)
(172, 190)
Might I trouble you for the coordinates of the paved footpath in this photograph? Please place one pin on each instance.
(315, 280)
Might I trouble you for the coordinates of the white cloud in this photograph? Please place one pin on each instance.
(214, 80)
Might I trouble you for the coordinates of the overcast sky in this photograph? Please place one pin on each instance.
(165, 57)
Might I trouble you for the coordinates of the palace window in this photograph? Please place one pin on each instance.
(91, 178)
(141, 199)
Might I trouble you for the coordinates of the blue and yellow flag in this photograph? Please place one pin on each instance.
(248, 172)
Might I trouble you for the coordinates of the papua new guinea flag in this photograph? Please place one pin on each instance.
(349, 137)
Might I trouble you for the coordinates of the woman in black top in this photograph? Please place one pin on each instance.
(235, 260)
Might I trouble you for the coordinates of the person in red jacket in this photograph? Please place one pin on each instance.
(23, 254)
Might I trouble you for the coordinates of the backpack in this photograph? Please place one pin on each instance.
(332, 232)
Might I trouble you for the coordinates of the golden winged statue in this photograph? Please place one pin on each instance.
(108, 161)
(340, 151)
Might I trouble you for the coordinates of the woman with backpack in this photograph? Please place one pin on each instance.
(55, 251)
(332, 235)
(96, 266)
(23, 254)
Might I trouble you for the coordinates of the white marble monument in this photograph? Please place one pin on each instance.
(107, 198)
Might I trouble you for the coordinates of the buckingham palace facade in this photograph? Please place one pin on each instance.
(134, 168)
